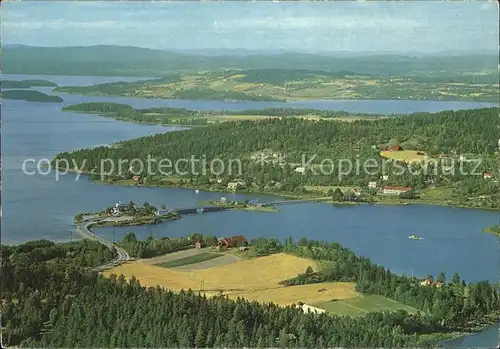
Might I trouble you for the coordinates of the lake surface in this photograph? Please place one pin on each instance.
(353, 106)
(40, 206)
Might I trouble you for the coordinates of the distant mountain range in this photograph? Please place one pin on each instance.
(245, 52)
(135, 61)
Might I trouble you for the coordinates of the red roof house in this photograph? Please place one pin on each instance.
(487, 175)
(233, 241)
(393, 148)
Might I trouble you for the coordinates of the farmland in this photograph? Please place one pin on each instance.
(405, 155)
(361, 305)
(197, 258)
(296, 84)
(254, 279)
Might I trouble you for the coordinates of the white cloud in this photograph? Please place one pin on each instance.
(61, 25)
(330, 22)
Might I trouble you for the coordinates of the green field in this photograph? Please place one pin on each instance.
(198, 258)
(362, 305)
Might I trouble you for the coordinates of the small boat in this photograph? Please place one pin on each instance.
(414, 237)
(196, 191)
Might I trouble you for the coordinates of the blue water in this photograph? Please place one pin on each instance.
(40, 206)
(354, 106)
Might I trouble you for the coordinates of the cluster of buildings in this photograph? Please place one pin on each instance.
(389, 189)
(236, 184)
(121, 208)
(228, 242)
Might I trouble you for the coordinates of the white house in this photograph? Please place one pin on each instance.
(300, 170)
(372, 185)
(120, 207)
(162, 212)
(487, 175)
(385, 177)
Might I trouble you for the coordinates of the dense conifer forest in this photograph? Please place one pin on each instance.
(51, 299)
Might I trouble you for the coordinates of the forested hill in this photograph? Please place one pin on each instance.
(466, 131)
(134, 61)
(299, 142)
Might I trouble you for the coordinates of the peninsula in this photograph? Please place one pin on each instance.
(417, 158)
(495, 229)
(186, 117)
(27, 83)
(296, 84)
(30, 96)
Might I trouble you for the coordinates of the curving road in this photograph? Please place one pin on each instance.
(83, 228)
(122, 256)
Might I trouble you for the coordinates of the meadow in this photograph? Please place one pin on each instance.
(405, 155)
(362, 305)
(254, 279)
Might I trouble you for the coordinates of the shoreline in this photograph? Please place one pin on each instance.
(282, 100)
(389, 201)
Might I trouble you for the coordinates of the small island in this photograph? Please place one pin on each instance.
(30, 96)
(27, 83)
(129, 214)
(239, 205)
(495, 230)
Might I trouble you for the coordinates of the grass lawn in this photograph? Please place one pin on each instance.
(362, 305)
(439, 194)
(197, 258)
(325, 188)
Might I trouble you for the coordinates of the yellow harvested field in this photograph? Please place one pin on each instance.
(254, 279)
(404, 155)
(302, 293)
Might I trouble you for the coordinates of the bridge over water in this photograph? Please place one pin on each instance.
(193, 210)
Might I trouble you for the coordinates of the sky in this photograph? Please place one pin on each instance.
(414, 26)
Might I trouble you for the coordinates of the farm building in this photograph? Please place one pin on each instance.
(162, 212)
(395, 190)
(233, 241)
(393, 148)
(120, 207)
(428, 282)
(235, 185)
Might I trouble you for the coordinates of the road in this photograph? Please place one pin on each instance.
(122, 256)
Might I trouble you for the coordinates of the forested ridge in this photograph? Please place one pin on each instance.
(30, 96)
(110, 60)
(50, 300)
(26, 83)
(448, 132)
